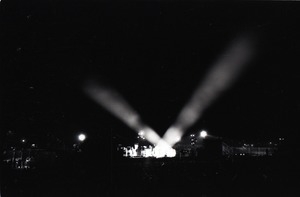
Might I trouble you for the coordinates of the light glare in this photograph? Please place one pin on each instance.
(81, 137)
(142, 133)
(203, 134)
(163, 149)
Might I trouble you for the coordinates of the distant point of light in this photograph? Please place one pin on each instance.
(23, 140)
(81, 137)
(141, 137)
(203, 134)
(32, 145)
(141, 133)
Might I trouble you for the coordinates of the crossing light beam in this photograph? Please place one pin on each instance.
(113, 102)
(220, 78)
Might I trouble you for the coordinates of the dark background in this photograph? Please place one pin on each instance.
(155, 54)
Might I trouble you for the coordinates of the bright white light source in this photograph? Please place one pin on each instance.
(23, 140)
(163, 149)
(147, 152)
(81, 137)
(142, 133)
(171, 152)
(203, 134)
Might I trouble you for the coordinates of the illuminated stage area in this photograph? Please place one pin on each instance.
(146, 151)
(203, 147)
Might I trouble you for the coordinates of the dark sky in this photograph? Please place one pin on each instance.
(154, 54)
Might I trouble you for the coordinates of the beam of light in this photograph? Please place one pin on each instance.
(113, 102)
(220, 78)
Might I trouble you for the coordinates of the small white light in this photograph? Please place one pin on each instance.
(203, 134)
(23, 140)
(142, 133)
(81, 137)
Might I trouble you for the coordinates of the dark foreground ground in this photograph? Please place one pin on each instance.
(275, 176)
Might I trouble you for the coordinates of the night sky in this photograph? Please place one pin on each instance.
(155, 54)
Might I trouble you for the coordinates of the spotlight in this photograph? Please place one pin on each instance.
(203, 134)
(220, 78)
(81, 137)
(114, 103)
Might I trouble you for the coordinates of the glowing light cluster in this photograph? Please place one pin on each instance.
(159, 151)
(163, 149)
